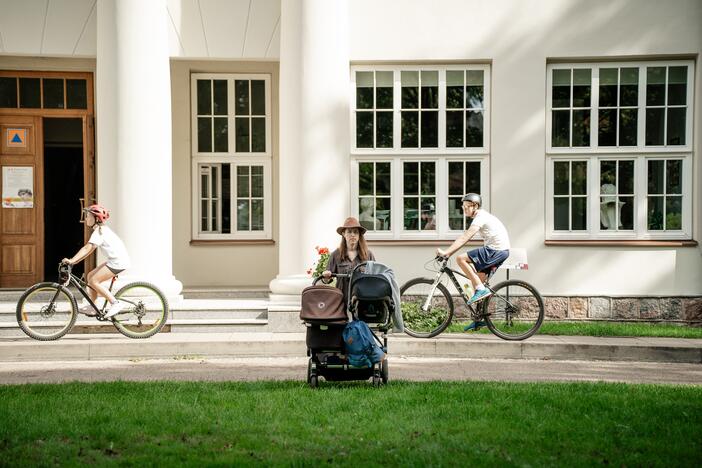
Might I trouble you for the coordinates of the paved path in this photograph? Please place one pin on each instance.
(401, 368)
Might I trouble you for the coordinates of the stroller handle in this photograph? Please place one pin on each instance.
(333, 275)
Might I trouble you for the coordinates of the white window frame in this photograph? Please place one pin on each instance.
(403, 196)
(641, 122)
(231, 157)
(397, 96)
(397, 231)
(231, 103)
(640, 231)
(441, 155)
(640, 153)
(210, 197)
(266, 233)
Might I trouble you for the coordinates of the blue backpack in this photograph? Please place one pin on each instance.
(361, 348)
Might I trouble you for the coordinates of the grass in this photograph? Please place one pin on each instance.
(411, 424)
(604, 329)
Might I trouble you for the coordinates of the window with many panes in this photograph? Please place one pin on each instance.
(420, 141)
(231, 154)
(31, 92)
(619, 150)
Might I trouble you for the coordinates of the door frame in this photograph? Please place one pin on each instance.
(88, 118)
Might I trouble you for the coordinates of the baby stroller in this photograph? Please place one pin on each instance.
(324, 313)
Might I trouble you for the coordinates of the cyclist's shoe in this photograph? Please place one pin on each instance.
(115, 308)
(479, 295)
(475, 326)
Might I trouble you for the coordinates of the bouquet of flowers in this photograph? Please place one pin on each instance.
(321, 264)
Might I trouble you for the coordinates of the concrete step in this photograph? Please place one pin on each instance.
(11, 295)
(250, 292)
(195, 345)
(187, 315)
(83, 327)
(246, 292)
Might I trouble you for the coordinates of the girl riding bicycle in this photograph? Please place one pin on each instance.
(112, 247)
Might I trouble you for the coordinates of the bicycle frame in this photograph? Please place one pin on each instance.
(451, 273)
(82, 287)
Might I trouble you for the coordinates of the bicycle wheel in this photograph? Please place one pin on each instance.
(515, 311)
(146, 311)
(46, 311)
(419, 322)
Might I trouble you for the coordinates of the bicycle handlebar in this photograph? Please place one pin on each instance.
(64, 272)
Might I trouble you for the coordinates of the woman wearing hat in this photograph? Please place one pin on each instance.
(352, 251)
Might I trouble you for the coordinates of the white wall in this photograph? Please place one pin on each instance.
(517, 37)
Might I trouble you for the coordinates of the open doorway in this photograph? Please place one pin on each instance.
(63, 190)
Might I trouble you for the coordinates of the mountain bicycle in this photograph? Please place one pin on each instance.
(514, 311)
(47, 311)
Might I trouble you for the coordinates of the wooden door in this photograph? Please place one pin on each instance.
(22, 213)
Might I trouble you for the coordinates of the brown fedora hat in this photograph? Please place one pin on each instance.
(351, 223)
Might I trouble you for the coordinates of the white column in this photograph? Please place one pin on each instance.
(314, 135)
(133, 123)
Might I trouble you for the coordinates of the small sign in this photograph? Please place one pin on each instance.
(517, 260)
(17, 187)
(17, 137)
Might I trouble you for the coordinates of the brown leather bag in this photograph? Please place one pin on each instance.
(323, 304)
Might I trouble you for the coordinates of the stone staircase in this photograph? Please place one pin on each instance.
(200, 310)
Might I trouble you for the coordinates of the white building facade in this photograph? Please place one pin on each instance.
(231, 138)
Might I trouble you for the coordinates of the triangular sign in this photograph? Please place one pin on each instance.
(16, 139)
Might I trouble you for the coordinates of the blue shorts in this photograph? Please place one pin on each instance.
(484, 258)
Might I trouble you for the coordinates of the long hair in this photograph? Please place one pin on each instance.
(362, 248)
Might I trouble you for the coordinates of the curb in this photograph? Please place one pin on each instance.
(223, 345)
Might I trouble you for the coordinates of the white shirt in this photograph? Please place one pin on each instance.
(492, 230)
(112, 247)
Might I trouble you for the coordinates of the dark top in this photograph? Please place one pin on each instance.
(344, 266)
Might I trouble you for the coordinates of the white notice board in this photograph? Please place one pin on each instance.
(17, 187)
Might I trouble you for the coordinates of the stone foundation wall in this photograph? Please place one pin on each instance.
(685, 309)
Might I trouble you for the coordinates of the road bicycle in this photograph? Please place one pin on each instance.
(47, 311)
(514, 310)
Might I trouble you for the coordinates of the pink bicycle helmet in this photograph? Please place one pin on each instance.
(100, 212)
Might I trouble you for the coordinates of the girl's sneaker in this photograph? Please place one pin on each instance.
(479, 295)
(115, 308)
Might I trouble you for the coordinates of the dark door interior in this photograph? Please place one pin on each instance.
(63, 189)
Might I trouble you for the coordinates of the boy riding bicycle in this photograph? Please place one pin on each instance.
(495, 250)
(115, 251)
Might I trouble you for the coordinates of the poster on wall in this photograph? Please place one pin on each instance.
(17, 187)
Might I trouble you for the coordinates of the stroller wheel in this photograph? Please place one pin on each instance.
(313, 381)
(384, 371)
(377, 381)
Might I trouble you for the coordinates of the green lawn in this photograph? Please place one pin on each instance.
(603, 329)
(415, 424)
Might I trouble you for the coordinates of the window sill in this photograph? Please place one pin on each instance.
(417, 242)
(622, 243)
(232, 242)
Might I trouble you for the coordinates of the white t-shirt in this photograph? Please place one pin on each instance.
(112, 246)
(492, 230)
